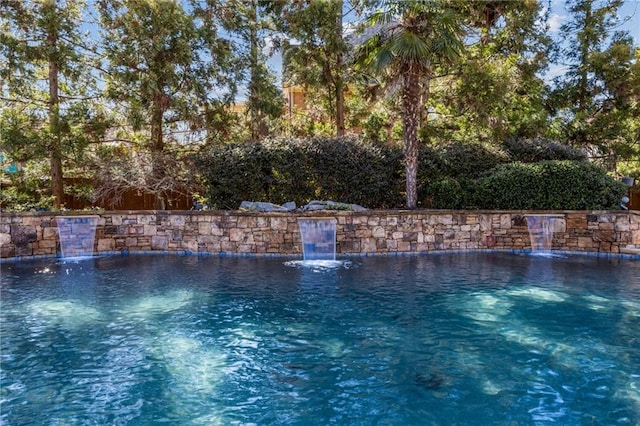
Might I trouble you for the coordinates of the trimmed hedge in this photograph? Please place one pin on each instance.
(469, 159)
(450, 176)
(339, 169)
(538, 149)
(549, 185)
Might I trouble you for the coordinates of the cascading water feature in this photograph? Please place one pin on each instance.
(77, 235)
(318, 238)
(541, 228)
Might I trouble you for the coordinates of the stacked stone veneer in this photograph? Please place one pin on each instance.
(369, 232)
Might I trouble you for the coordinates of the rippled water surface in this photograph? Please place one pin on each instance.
(467, 339)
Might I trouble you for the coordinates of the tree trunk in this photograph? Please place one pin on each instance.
(410, 118)
(57, 189)
(256, 122)
(339, 80)
(157, 150)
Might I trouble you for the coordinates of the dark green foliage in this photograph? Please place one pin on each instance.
(349, 171)
(250, 171)
(549, 185)
(278, 171)
(449, 177)
(469, 159)
(446, 193)
(539, 149)
(429, 170)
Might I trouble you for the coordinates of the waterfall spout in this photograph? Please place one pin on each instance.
(77, 235)
(318, 238)
(541, 228)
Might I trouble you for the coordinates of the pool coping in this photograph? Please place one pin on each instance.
(231, 255)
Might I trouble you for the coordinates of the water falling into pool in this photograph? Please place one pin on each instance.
(541, 229)
(318, 238)
(77, 235)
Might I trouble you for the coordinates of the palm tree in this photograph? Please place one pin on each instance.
(407, 40)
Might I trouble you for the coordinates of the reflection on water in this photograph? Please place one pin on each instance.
(442, 339)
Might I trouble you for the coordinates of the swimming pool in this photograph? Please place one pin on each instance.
(449, 339)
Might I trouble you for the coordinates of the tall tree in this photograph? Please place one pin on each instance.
(44, 82)
(167, 67)
(496, 91)
(596, 101)
(408, 39)
(252, 22)
(314, 55)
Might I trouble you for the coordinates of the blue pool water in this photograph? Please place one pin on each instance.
(459, 339)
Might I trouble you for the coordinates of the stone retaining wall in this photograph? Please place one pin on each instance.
(369, 232)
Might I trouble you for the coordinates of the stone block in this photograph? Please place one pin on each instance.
(5, 238)
(190, 245)
(379, 232)
(410, 236)
(373, 221)
(7, 250)
(24, 249)
(136, 230)
(31, 221)
(585, 242)
(227, 246)
(177, 220)
(159, 242)
(362, 233)
(247, 222)
(174, 234)
(505, 221)
(50, 233)
(236, 234)
(606, 226)
(106, 244)
(145, 219)
(47, 244)
(622, 226)
(21, 234)
(273, 238)
(404, 246)
(445, 219)
(576, 221)
(150, 230)
(245, 248)
(608, 236)
(369, 245)
(605, 247)
(279, 223)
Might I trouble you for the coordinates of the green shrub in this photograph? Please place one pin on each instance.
(339, 169)
(549, 185)
(539, 149)
(233, 173)
(468, 159)
(351, 171)
(348, 170)
(446, 193)
(27, 189)
(429, 172)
